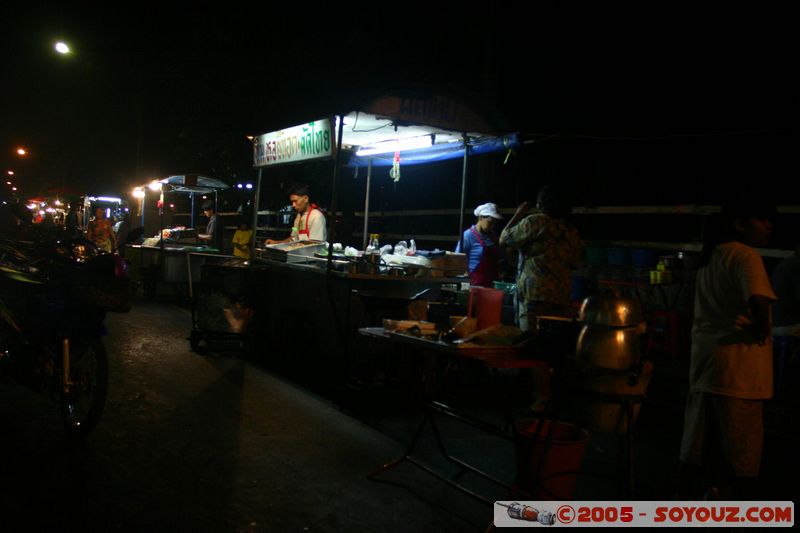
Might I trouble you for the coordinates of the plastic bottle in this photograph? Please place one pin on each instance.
(374, 244)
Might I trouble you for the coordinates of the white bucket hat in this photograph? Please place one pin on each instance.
(487, 210)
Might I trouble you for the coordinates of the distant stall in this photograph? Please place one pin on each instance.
(162, 258)
(112, 206)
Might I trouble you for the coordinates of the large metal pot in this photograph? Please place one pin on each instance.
(613, 348)
(611, 310)
(609, 360)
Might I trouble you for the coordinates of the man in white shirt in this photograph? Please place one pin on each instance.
(731, 362)
(309, 224)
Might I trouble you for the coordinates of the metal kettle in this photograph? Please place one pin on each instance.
(609, 337)
(610, 370)
(611, 310)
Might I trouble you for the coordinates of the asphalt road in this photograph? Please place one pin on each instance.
(192, 443)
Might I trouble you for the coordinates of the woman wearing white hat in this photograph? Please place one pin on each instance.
(480, 245)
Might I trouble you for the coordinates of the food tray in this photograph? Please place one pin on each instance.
(293, 252)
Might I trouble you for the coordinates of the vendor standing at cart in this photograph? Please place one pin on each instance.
(213, 235)
(480, 245)
(309, 224)
(550, 249)
(100, 231)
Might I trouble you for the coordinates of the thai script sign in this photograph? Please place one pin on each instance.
(299, 143)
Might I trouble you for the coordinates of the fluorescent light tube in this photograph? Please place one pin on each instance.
(395, 145)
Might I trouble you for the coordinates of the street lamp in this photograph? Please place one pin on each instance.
(62, 48)
(22, 152)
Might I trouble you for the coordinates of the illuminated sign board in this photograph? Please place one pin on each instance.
(291, 145)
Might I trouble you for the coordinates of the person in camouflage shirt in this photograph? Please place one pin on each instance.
(549, 250)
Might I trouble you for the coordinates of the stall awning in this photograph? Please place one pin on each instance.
(439, 152)
(194, 183)
(408, 123)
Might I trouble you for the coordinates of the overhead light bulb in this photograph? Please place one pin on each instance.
(398, 145)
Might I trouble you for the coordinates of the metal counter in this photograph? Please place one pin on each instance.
(152, 266)
(304, 314)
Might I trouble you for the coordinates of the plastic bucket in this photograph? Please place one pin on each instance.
(557, 462)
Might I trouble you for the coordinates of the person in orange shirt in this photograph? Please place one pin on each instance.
(100, 231)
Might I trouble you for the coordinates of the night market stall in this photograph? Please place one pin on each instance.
(163, 257)
(322, 292)
(327, 309)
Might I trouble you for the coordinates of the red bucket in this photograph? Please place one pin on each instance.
(558, 462)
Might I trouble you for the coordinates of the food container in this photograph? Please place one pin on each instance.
(406, 264)
(293, 252)
(425, 328)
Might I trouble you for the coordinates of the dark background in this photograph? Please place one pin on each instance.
(629, 106)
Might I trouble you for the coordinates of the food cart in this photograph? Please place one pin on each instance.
(163, 258)
(317, 301)
(112, 206)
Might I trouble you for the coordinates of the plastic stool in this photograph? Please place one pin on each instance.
(664, 333)
(486, 305)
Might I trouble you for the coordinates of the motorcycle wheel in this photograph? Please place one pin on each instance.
(82, 406)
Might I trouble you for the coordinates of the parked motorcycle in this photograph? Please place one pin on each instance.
(53, 299)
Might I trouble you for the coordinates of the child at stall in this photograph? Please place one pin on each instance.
(242, 239)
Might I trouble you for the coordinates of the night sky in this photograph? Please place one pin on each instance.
(151, 91)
